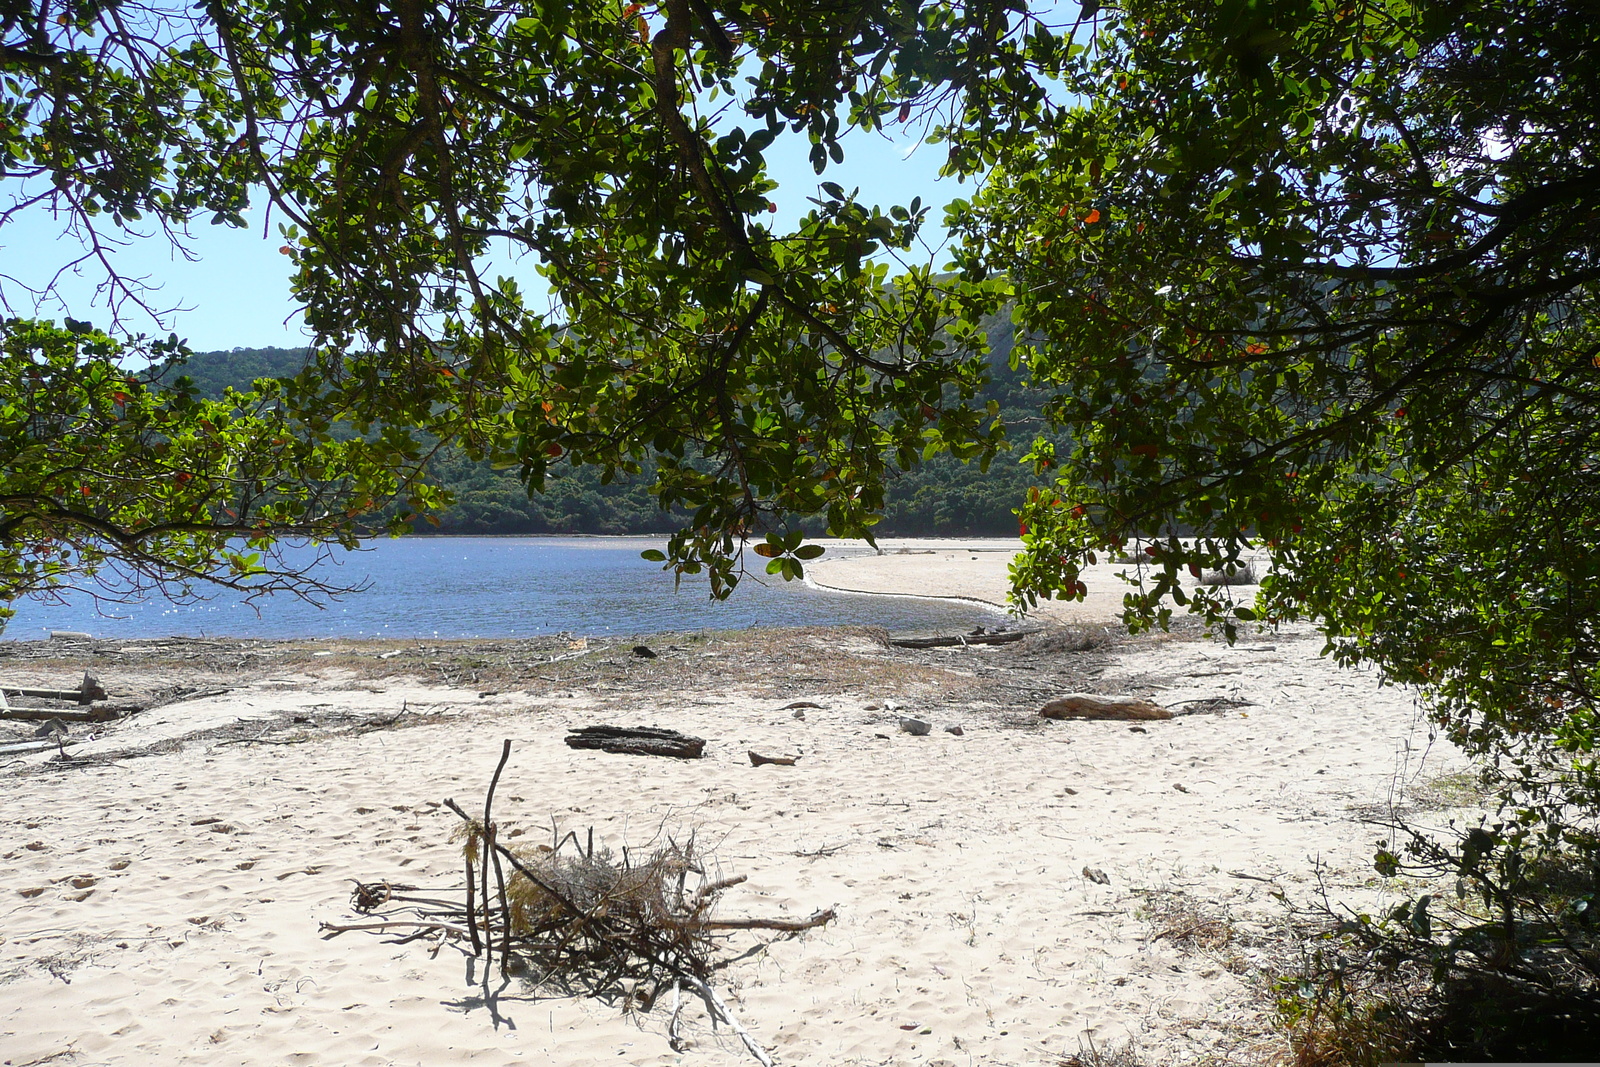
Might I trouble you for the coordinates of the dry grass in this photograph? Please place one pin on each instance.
(1073, 639)
(1123, 1055)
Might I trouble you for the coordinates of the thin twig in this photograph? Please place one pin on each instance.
(387, 924)
(675, 1042)
(719, 1007)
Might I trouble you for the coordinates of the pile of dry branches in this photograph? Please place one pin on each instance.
(576, 918)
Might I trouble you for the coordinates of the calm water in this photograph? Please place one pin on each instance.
(500, 587)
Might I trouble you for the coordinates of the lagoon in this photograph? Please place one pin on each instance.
(465, 587)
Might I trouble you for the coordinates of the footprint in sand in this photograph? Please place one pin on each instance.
(30, 893)
(121, 863)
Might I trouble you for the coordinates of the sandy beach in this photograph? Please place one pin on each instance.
(1016, 893)
(974, 569)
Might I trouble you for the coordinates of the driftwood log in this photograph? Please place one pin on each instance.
(1096, 706)
(638, 741)
(1002, 638)
(758, 760)
(87, 692)
(103, 713)
(22, 748)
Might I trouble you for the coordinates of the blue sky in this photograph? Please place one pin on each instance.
(236, 294)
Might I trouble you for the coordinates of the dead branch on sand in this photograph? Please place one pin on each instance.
(576, 918)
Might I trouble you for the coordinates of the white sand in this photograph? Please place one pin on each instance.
(972, 569)
(164, 909)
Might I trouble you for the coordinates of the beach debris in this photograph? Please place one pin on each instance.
(915, 727)
(758, 760)
(800, 714)
(956, 730)
(70, 635)
(1213, 705)
(1098, 706)
(98, 713)
(987, 637)
(88, 691)
(51, 732)
(638, 741)
(800, 704)
(1097, 876)
(583, 919)
(644, 652)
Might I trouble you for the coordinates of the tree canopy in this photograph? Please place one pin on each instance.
(1323, 277)
(763, 375)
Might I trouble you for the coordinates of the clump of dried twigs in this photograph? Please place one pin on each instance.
(577, 918)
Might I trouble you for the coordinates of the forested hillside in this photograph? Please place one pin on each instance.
(942, 497)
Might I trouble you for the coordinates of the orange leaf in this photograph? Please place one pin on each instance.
(1092, 217)
(769, 551)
